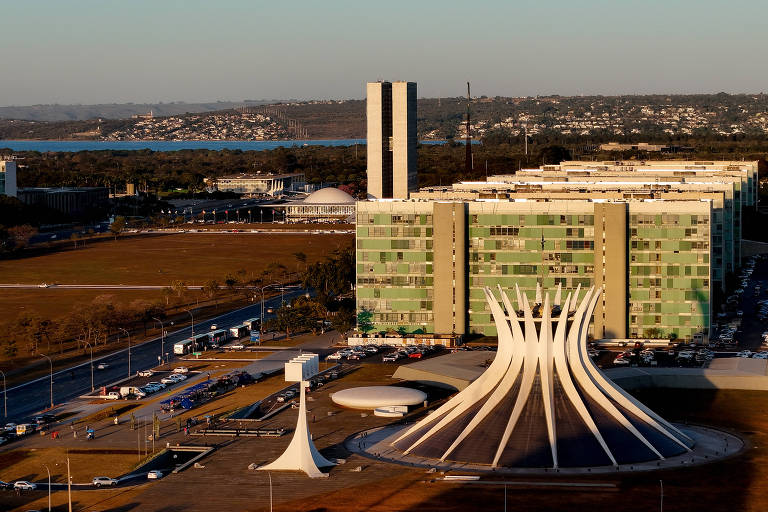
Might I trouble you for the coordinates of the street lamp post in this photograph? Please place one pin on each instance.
(51, 363)
(193, 327)
(69, 487)
(162, 337)
(87, 344)
(261, 320)
(193, 321)
(129, 349)
(5, 397)
(49, 486)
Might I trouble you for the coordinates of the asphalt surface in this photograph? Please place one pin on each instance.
(749, 336)
(26, 400)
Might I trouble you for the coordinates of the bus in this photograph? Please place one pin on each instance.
(200, 341)
(183, 347)
(219, 337)
(252, 323)
(238, 331)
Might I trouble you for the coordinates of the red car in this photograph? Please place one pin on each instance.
(416, 355)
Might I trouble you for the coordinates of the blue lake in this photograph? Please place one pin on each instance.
(168, 145)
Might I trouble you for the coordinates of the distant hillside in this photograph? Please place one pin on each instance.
(115, 110)
(561, 119)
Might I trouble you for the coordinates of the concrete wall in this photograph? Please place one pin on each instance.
(379, 131)
(450, 267)
(404, 139)
(611, 269)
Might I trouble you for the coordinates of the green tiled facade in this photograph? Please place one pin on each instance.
(521, 243)
(669, 274)
(394, 269)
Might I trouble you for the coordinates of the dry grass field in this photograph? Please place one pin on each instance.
(161, 259)
(156, 260)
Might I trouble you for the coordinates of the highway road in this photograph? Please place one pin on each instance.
(26, 400)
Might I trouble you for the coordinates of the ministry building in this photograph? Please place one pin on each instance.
(659, 236)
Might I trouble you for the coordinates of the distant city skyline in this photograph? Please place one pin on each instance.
(91, 52)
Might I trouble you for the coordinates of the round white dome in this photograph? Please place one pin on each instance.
(371, 397)
(329, 195)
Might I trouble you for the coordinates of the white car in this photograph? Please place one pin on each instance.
(621, 360)
(169, 380)
(145, 373)
(336, 356)
(214, 327)
(102, 366)
(155, 474)
(24, 485)
(181, 369)
(98, 481)
(113, 395)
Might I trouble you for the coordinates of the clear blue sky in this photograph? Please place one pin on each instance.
(104, 51)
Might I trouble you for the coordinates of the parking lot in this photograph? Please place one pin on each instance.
(386, 353)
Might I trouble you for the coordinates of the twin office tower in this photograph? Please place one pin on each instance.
(392, 139)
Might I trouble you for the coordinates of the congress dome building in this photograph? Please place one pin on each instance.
(325, 205)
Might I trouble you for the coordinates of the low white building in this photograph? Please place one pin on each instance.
(325, 205)
(8, 177)
(269, 184)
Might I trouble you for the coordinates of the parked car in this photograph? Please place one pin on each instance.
(169, 380)
(5, 485)
(113, 395)
(181, 369)
(98, 481)
(155, 474)
(158, 384)
(24, 485)
(621, 359)
(336, 356)
(145, 373)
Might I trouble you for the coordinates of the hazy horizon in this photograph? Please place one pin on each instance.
(87, 52)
